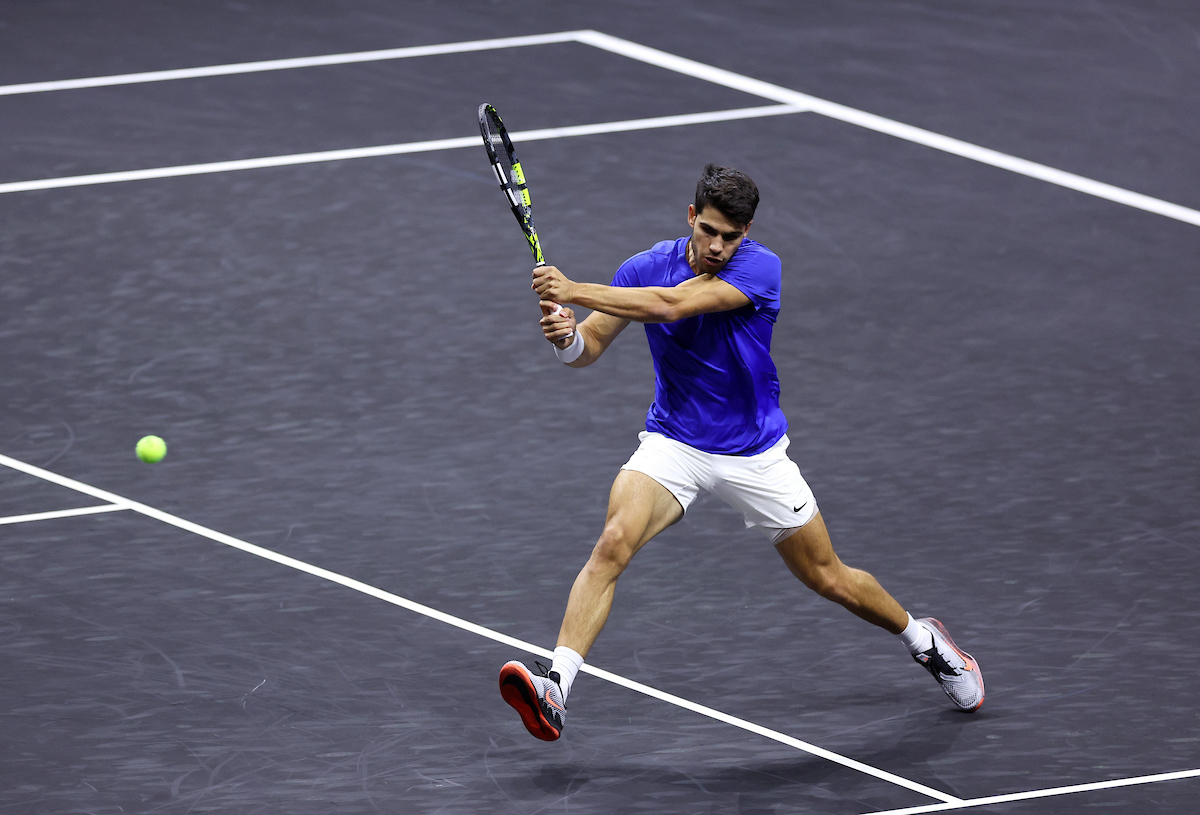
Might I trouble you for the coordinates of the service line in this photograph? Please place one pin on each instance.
(61, 513)
(399, 149)
(457, 622)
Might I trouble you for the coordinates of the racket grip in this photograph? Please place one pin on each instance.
(558, 310)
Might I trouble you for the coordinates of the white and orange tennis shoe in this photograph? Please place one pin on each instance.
(954, 669)
(537, 698)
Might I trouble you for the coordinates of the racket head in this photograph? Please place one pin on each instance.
(510, 175)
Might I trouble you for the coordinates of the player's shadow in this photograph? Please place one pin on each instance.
(667, 782)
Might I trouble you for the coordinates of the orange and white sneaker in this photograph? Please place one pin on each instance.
(537, 698)
(954, 669)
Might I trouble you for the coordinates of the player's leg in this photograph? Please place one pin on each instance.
(772, 494)
(638, 509)
(809, 555)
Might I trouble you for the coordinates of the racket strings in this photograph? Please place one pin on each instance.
(504, 164)
(508, 172)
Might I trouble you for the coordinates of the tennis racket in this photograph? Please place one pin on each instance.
(511, 177)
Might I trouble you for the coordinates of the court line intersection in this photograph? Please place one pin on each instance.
(1046, 793)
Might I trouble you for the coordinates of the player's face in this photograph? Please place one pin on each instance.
(714, 239)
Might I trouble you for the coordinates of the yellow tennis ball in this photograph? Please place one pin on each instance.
(151, 449)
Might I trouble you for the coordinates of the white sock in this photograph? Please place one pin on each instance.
(567, 663)
(916, 636)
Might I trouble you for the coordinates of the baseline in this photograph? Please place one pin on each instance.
(399, 149)
(457, 622)
(1046, 793)
(285, 64)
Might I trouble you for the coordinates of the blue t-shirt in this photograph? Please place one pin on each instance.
(716, 388)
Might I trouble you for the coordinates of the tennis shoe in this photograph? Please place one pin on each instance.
(954, 669)
(537, 697)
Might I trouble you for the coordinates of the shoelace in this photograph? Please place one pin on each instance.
(937, 664)
(549, 674)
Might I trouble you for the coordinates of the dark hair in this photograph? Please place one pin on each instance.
(730, 191)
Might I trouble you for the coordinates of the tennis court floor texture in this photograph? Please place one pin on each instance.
(268, 232)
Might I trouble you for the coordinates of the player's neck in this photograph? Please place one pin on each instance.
(691, 257)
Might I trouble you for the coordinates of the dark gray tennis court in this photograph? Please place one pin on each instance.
(992, 382)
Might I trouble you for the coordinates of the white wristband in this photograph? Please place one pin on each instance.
(573, 351)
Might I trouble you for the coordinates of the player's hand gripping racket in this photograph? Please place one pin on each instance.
(512, 178)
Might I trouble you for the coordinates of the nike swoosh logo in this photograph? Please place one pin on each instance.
(802, 506)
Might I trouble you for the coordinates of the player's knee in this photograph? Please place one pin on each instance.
(829, 583)
(613, 551)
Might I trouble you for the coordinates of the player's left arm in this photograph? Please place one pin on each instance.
(703, 294)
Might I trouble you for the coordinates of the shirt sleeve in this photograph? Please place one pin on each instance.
(756, 272)
(629, 275)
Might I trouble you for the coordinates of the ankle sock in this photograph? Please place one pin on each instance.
(567, 663)
(916, 637)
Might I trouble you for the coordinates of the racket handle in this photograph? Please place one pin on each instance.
(558, 310)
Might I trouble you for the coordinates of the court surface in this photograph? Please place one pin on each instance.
(381, 483)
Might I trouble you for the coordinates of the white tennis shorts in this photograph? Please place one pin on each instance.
(767, 488)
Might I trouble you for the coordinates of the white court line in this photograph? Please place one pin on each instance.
(285, 64)
(61, 513)
(870, 121)
(399, 149)
(651, 56)
(457, 622)
(1047, 793)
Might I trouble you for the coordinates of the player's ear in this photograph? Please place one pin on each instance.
(691, 214)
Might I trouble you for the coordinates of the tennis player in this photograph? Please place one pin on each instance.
(709, 302)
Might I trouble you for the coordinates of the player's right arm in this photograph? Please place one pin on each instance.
(597, 332)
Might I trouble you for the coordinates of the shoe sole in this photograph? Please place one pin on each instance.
(516, 686)
(970, 660)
